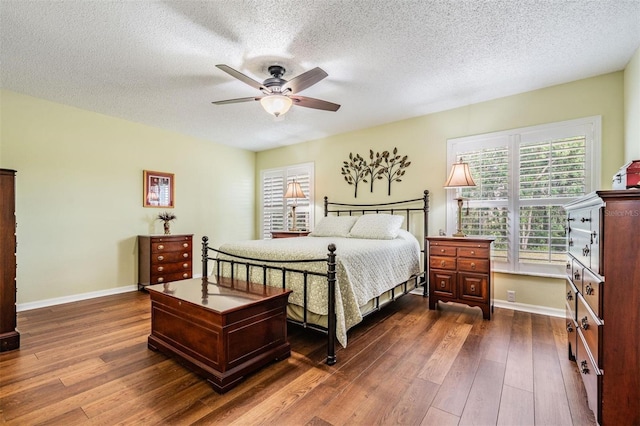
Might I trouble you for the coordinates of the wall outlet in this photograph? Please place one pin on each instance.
(511, 296)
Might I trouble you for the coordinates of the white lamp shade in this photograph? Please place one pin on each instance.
(276, 105)
(294, 190)
(460, 176)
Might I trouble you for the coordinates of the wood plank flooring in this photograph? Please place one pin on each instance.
(88, 363)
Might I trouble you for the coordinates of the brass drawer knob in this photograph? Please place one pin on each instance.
(160, 247)
(160, 257)
(473, 265)
(185, 255)
(442, 250)
(473, 288)
(185, 245)
(185, 265)
(160, 268)
(442, 284)
(185, 275)
(443, 263)
(473, 252)
(160, 279)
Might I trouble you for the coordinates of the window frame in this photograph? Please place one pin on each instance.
(591, 127)
(288, 173)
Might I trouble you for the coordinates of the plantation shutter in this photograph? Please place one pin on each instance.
(523, 178)
(276, 210)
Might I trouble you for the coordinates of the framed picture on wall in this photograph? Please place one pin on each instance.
(158, 189)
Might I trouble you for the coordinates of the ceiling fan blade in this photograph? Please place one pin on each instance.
(307, 102)
(248, 80)
(304, 80)
(238, 100)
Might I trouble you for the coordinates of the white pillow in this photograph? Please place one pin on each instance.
(334, 226)
(377, 226)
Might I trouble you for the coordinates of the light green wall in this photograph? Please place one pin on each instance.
(79, 194)
(424, 139)
(632, 108)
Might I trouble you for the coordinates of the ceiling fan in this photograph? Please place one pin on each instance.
(279, 94)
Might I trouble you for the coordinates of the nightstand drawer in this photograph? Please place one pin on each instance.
(165, 278)
(482, 253)
(438, 262)
(172, 256)
(473, 265)
(163, 247)
(437, 250)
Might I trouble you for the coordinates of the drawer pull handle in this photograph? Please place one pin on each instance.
(443, 263)
(584, 369)
(569, 295)
(576, 275)
(585, 219)
(442, 250)
(585, 323)
(473, 252)
(442, 284)
(160, 247)
(160, 279)
(185, 255)
(185, 275)
(473, 288)
(569, 327)
(473, 265)
(160, 268)
(160, 257)
(586, 251)
(185, 265)
(588, 290)
(185, 245)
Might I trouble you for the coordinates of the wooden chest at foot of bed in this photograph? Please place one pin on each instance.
(222, 331)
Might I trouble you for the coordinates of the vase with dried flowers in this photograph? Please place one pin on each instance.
(167, 217)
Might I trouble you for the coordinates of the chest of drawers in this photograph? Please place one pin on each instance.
(164, 258)
(460, 271)
(603, 301)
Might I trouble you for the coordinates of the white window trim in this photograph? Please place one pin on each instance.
(288, 171)
(514, 137)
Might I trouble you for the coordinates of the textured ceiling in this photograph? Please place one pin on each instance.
(154, 62)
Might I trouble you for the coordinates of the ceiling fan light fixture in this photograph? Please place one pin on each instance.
(276, 105)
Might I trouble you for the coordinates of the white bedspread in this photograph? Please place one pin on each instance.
(365, 269)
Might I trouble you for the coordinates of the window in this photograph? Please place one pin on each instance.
(523, 178)
(276, 210)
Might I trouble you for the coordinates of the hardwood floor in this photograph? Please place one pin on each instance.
(88, 363)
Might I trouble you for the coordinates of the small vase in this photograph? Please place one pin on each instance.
(167, 229)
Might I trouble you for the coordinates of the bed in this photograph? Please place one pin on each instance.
(359, 258)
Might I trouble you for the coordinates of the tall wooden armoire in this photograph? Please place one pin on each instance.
(9, 336)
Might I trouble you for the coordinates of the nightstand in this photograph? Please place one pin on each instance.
(164, 258)
(289, 234)
(460, 271)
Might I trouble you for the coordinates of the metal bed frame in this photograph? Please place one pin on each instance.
(329, 208)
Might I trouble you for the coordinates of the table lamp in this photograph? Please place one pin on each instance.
(294, 191)
(459, 177)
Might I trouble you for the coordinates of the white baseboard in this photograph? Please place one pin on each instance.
(534, 309)
(77, 297)
(74, 298)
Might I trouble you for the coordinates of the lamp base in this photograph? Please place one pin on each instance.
(459, 235)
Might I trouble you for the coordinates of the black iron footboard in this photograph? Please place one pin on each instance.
(265, 265)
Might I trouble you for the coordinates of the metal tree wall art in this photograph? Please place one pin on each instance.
(373, 168)
(354, 171)
(393, 167)
(381, 165)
